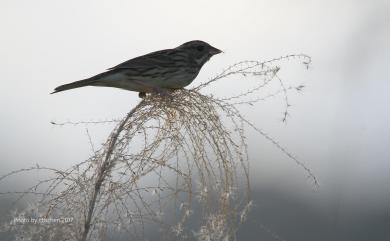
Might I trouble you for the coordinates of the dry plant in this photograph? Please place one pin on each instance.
(176, 163)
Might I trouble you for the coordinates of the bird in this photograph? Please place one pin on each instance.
(155, 72)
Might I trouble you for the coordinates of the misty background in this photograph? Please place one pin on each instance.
(339, 127)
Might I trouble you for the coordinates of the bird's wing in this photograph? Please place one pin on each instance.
(155, 59)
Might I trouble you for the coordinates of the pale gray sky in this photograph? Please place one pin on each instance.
(339, 127)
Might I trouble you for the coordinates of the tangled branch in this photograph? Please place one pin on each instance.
(167, 157)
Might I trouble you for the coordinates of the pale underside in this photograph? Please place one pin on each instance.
(150, 83)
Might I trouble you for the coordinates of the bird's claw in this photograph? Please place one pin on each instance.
(141, 95)
(164, 93)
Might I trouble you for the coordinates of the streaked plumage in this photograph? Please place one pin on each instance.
(154, 72)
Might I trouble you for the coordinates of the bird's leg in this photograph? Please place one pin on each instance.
(163, 92)
(160, 91)
(141, 95)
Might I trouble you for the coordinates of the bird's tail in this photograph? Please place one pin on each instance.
(73, 85)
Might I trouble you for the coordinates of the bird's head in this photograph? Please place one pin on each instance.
(199, 50)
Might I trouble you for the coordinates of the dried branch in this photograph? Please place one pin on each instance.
(167, 157)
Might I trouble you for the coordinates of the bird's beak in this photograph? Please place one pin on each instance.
(215, 51)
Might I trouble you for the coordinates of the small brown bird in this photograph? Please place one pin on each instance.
(154, 72)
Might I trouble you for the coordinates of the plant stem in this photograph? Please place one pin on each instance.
(103, 170)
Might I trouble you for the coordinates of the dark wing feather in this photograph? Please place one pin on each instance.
(160, 58)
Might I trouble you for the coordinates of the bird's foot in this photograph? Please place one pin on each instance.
(141, 95)
(164, 93)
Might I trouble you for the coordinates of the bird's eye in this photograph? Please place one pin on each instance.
(200, 48)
